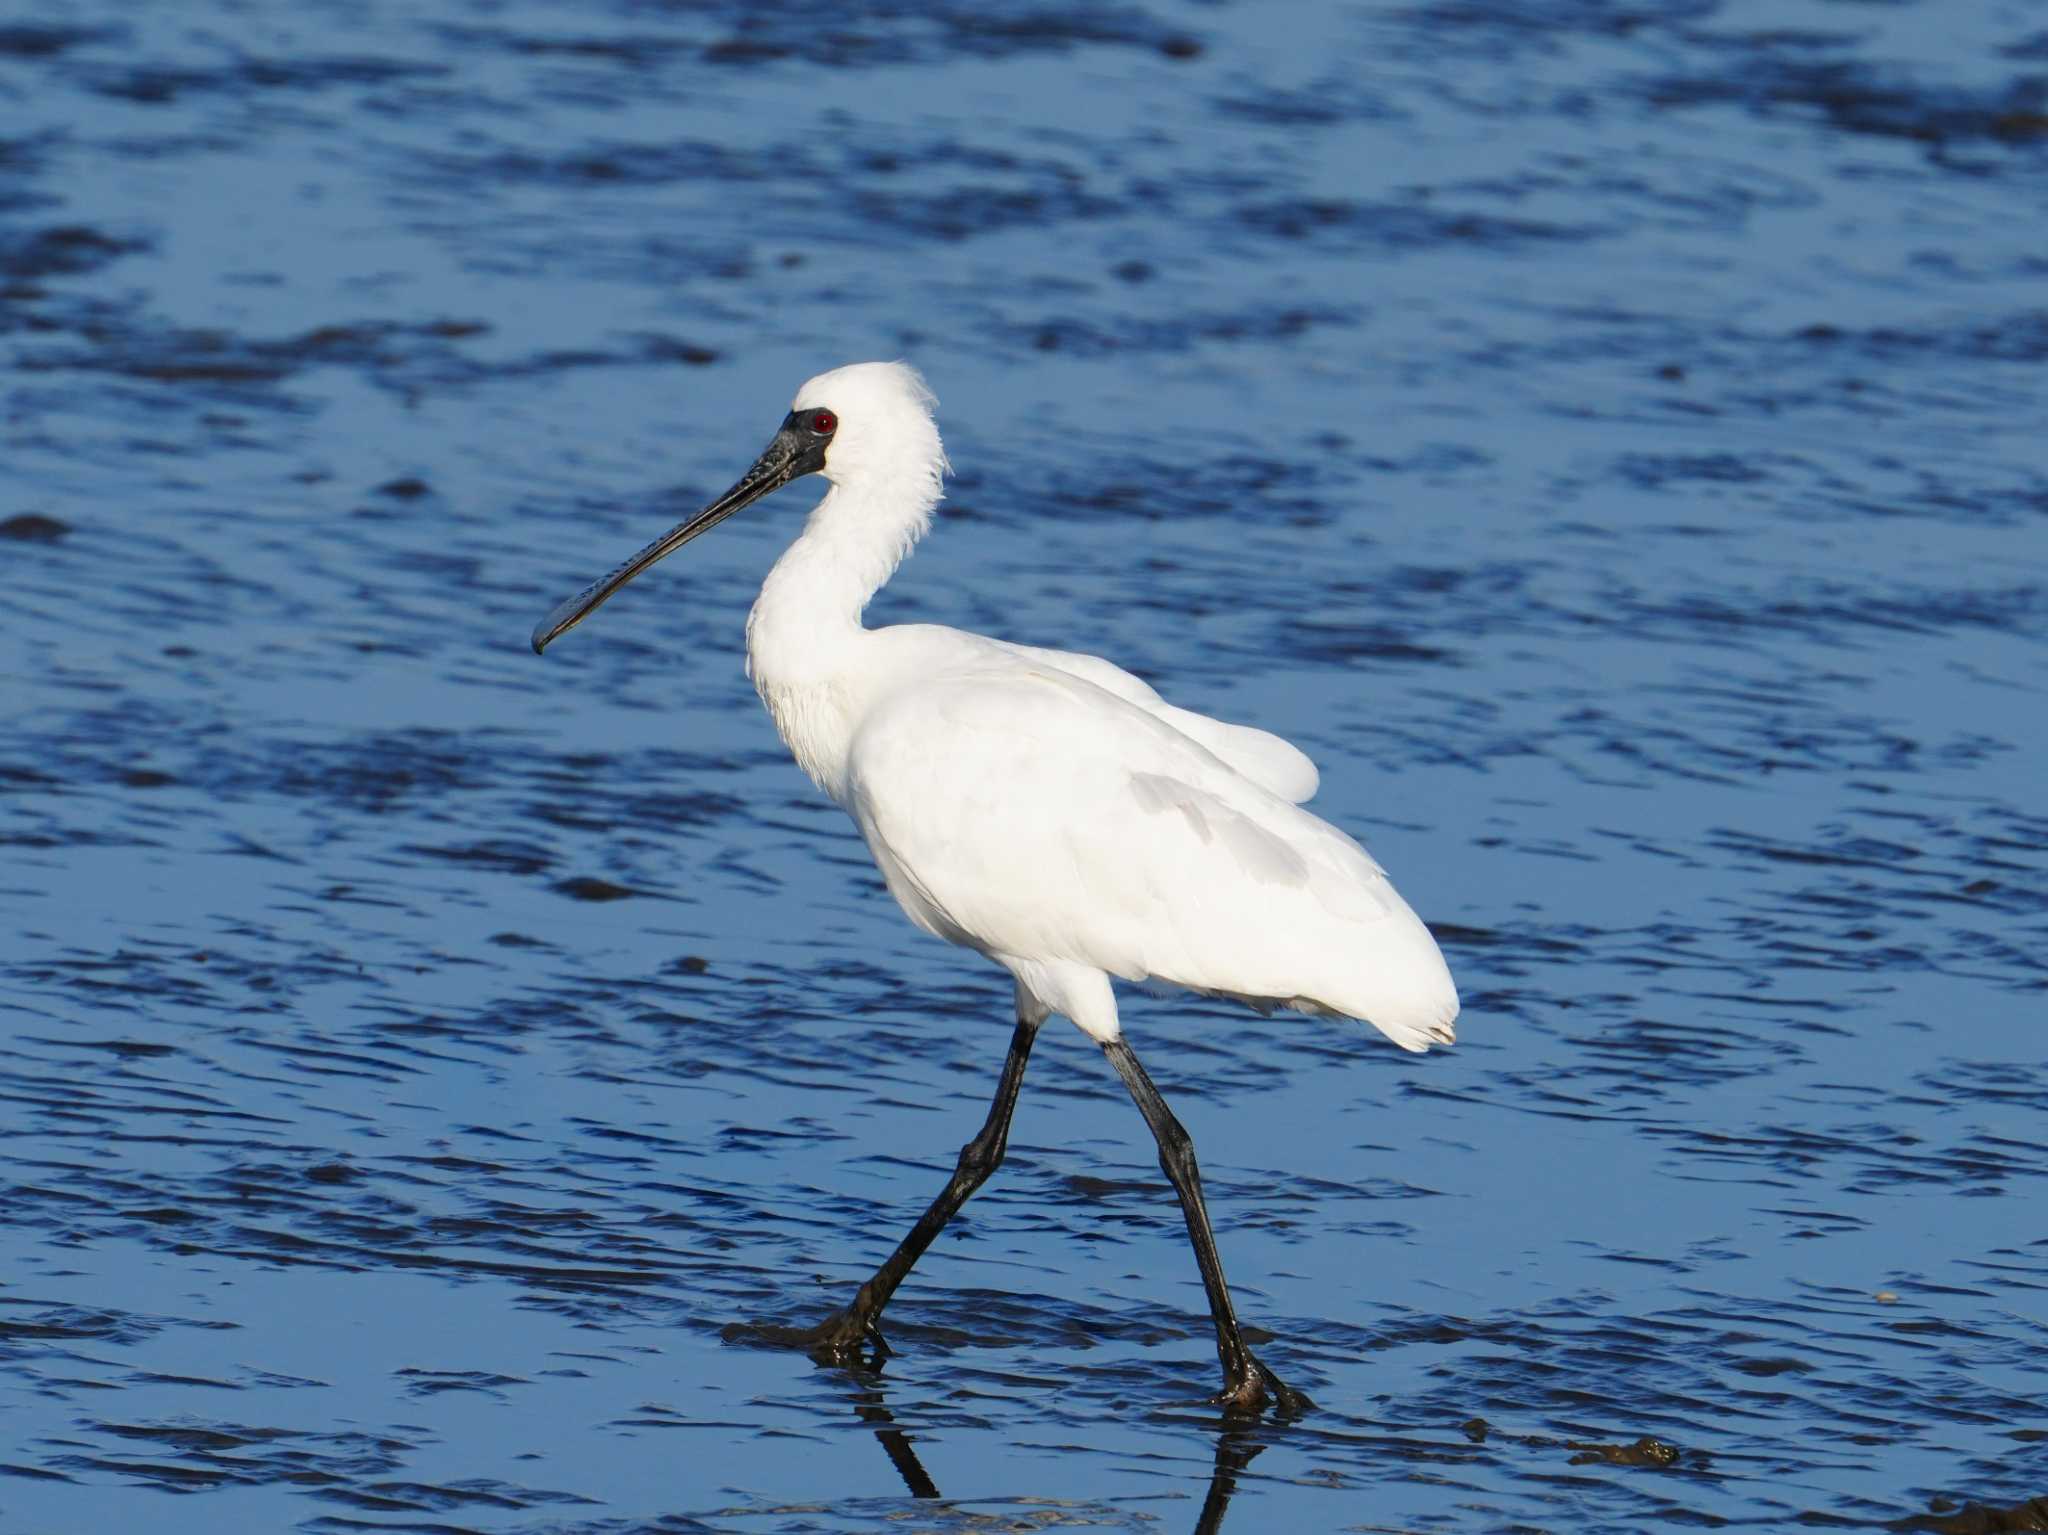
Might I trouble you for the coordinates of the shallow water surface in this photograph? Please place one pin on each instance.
(1607, 437)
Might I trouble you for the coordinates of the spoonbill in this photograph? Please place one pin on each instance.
(1048, 810)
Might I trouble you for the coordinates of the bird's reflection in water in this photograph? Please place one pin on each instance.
(1235, 1450)
(871, 1403)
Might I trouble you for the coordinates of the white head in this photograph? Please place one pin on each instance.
(884, 437)
(868, 429)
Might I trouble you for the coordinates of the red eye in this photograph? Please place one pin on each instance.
(824, 423)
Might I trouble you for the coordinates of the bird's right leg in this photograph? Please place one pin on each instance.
(842, 1338)
(1247, 1384)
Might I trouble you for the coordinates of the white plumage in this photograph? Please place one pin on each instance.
(1048, 809)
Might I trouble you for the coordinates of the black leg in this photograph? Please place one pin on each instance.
(1247, 1384)
(842, 1338)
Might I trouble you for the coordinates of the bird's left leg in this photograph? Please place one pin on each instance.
(1247, 1384)
(842, 1338)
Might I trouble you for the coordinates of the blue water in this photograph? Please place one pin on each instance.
(1608, 437)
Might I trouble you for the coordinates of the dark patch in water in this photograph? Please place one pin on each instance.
(1397, 226)
(588, 888)
(1181, 334)
(158, 86)
(404, 357)
(29, 41)
(33, 528)
(856, 37)
(1858, 98)
(63, 250)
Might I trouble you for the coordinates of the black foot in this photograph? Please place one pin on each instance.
(840, 1339)
(1258, 1389)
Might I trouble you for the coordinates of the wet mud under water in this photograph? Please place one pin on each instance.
(1608, 438)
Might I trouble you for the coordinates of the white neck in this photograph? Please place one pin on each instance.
(805, 633)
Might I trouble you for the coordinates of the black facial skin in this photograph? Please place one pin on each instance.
(805, 426)
(798, 449)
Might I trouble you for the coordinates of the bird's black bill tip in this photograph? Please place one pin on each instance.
(565, 616)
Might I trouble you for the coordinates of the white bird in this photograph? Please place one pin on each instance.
(1048, 810)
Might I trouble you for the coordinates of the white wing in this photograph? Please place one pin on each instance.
(1026, 811)
(1267, 760)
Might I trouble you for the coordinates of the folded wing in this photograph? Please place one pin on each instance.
(1023, 809)
(1267, 760)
